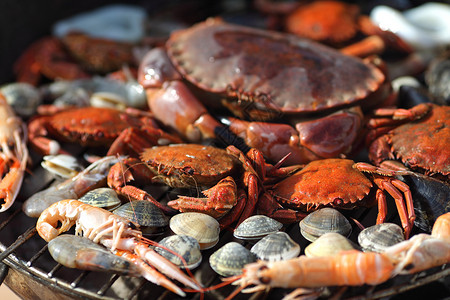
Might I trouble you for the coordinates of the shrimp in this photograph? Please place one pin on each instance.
(90, 178)
(423, 251)
(348, 268)
(13, 154)
(102, 226)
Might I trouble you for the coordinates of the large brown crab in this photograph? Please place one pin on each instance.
(338, 183)
(261, 75)
(418, 137)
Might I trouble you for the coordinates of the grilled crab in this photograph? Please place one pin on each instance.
(197, 166)
(341, 25)
(338, 183)
(261, 75)
(418, 137)
(93, 126)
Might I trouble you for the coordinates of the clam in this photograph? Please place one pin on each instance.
(149, 217)
(185, 246)
(322, 221)
(256, 227)
(24, 98)
(62, 165)
(230, 259)
(378, 237)
(105, 198)
(329, 244)
(275, 247)
(204, 228)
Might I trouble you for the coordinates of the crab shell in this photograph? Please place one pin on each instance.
(327, 182)
(89, 126)
(189, 165)
(275, 71)
(325, 21)
(422, 145)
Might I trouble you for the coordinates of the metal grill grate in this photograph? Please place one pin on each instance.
(28, 254)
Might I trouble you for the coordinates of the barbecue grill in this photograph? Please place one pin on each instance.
(25, 263)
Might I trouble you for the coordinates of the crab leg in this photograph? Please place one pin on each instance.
(218, 201)
(395, 188)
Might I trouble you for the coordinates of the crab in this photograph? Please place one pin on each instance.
(47, 57)
(95, 126)
(197, 166)
(73, 56)
(339, 25)
(338, 183)
(418, 137)
(261, 75)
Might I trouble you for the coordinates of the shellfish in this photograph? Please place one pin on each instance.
(275, 247)
(204, 228)
(230, 259)
(322, 221)
(185, 246)
(256, 227)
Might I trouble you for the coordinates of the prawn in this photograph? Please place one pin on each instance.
(348, 268)
(423, 251)
(102, 226)
(13, 154)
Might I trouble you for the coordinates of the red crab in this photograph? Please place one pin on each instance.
(418, 137)
(261, 75)
(94, 126)
(74, 56)
(197, 166)
(47, 57)
(338, 183)
(337, 24)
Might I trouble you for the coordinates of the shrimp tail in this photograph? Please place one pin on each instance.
(150, 273)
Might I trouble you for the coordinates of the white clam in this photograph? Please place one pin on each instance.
(62, 165)
(425, 27)
(120, 22)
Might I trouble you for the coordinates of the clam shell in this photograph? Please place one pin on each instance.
(230, 259)
(329, 244)
(378, 237)
(105, 198)
(186, 246)
(256, 227)
(322, 221)
(150, 218)
(62, 165)
(275, 247)
(205, 229)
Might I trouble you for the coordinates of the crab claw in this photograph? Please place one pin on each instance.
(219, 200)
(325, 137)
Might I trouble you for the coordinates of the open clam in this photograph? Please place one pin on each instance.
(204, 228)
(378, 237)
(275, 247)
(61, 165)
(230, 259)
(149, 217)
(185, 246)
(322, 221)
(256, 227)
(329, 244)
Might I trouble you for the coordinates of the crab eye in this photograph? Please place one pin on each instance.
(338, 202)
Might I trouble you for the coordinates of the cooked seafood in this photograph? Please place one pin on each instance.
(102, 226)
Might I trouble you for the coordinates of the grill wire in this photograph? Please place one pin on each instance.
(22, 249)
(28, 253)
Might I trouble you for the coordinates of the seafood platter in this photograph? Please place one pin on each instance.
(228, 149)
